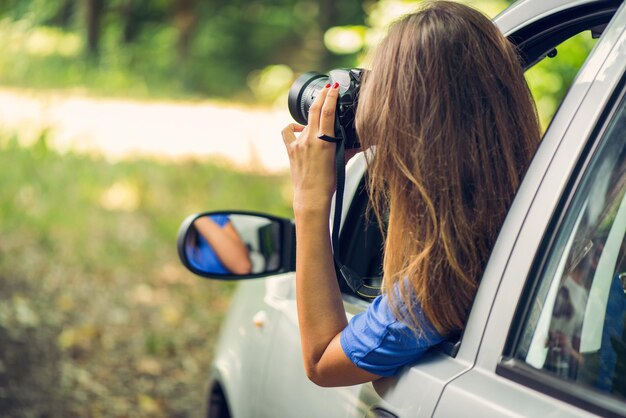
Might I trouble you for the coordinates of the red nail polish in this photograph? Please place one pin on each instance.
(328, 85)
(335, 85)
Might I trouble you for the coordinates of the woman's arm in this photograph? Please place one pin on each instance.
(320, 308)
(227, 245)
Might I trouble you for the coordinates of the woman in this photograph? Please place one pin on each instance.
(453, 125)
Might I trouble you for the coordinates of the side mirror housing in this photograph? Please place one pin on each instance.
(232, 245)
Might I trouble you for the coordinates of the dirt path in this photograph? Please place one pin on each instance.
(118, 128)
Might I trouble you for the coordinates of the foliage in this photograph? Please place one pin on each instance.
(97, 317)
(550, 78)
(168, 47)
(244, 50)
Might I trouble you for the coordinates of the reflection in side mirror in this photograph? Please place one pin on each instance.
(227, 245)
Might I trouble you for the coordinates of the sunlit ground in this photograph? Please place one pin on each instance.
(248, 137)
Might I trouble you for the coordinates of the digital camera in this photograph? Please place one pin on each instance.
(306, 88)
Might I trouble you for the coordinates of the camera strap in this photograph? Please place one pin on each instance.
(352, 279)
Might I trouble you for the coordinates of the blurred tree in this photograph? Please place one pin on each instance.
(185, 20)
(333, 14)
(94, 11)
(63, 15)
(14, 9)
(134, 15)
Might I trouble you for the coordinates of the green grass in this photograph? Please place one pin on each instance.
(97, 317)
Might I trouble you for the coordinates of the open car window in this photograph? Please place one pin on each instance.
(553, 39)
(550, 78)
(361, 242)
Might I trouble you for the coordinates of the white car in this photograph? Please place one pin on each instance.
(546, 333)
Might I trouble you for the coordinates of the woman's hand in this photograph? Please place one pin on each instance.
(312, 160)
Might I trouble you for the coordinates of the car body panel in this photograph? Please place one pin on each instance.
(286, 389)
(239, 341)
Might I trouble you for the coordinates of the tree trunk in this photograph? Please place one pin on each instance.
(94, 12)
(185, 21)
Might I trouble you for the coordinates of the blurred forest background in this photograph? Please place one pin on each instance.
(97, 317)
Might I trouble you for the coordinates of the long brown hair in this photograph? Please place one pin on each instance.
(454, 127)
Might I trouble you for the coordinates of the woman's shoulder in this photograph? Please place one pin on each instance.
(400, 317)
(382, 339)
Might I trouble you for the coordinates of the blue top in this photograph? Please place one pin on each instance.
(203, 257)
(378, 342)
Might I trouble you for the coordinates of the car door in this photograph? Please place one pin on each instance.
(553, 340)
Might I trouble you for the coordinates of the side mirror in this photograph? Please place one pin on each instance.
(236, 245)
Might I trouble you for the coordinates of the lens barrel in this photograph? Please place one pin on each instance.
(302, 94)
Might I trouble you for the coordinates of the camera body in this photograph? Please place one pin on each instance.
(306, 88)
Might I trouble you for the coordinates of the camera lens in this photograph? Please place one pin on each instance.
(302, 94)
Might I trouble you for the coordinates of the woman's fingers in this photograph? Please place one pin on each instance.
(321, 115)
(316, 108)
(289, 132)
(319, 110)
(311, 160)
(327, 117)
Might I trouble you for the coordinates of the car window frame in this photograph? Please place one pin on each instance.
(536, 39)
